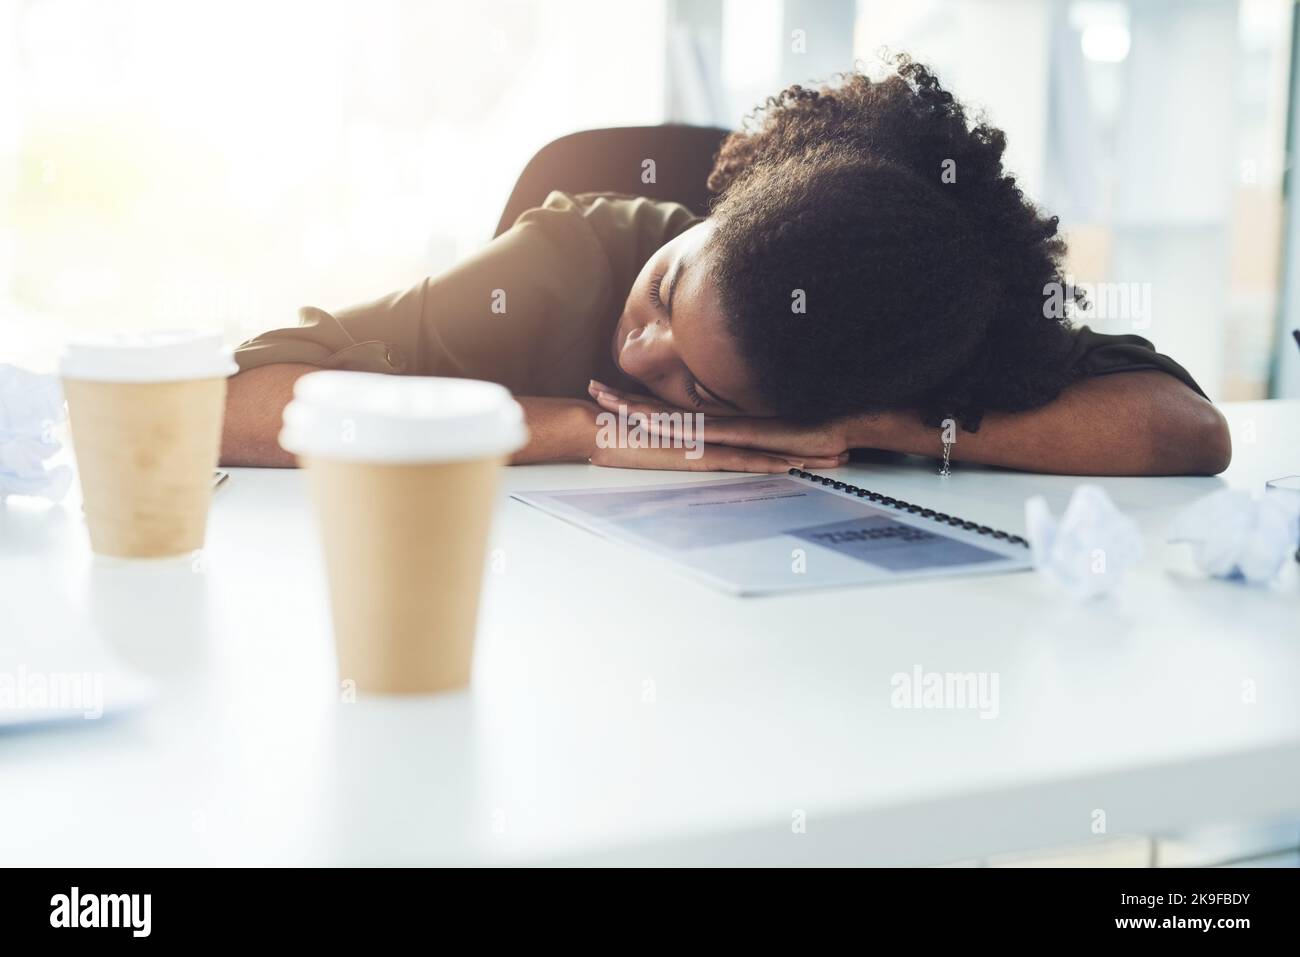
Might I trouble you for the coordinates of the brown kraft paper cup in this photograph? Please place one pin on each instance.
(145, 455)
(405, 546)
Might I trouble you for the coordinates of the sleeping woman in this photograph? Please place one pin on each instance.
(868, 277)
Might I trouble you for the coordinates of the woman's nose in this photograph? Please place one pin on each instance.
(647, 351)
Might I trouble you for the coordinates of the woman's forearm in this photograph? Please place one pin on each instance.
(1131, 423)
(255, 401)
(560, 430)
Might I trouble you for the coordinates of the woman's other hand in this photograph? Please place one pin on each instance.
(824, 445)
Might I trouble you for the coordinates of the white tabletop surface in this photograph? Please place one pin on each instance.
(621, 712)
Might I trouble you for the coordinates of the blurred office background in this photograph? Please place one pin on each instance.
(223, 162)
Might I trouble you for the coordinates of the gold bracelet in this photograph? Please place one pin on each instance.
(948, 437)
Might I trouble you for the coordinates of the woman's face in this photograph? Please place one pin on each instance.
(672, 338)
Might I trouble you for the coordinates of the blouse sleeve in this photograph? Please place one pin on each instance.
(526, 311)
(1096, 353)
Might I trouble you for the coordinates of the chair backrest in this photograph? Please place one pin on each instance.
(612, 160)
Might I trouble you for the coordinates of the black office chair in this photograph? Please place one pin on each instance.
(611, 160)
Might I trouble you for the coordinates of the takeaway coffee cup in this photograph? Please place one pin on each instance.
(403, 471)
(145, 411)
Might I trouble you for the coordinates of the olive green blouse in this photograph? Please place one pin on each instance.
(535, 310)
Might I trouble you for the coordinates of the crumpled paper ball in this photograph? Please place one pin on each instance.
(1235, 534)
(31, 406)
(1090, 548)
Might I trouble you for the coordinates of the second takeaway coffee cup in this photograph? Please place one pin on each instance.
(145, 411)
(403, 471)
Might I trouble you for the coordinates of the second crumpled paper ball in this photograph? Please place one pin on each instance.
(1092, 546)
(1235, 534)
(31, 405)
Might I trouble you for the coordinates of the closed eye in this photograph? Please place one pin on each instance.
(654, 290)
(693, 394)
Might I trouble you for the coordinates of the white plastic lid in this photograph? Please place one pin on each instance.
(171, 355)
(371, 417)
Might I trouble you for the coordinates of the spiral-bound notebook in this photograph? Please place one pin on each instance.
(753, 536)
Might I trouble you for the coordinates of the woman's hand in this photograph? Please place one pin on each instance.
(571, 430)
(711, 458)
(825, 445)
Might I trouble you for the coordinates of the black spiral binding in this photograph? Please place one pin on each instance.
(898, 503)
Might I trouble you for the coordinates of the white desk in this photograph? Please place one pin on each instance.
(623, 713)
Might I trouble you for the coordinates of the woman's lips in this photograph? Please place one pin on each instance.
(616, 344)
(619, 366)
(616, 351)
(619, 341)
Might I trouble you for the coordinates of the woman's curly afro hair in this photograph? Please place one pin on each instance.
(920, 266)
